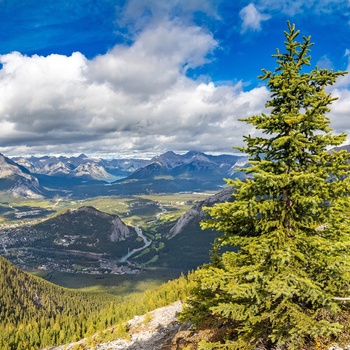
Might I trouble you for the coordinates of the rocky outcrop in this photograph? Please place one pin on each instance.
(160, 330)
(152, 331)
(120, 232)
(197, 213)
(91, 170)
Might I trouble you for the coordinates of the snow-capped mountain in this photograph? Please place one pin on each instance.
(168, 163)
(193, 163)
(16, 180)
(81, 166)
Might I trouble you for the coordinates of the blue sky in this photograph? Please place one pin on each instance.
(117, 78)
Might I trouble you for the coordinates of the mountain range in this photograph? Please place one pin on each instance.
(168, 172)
(168, 163)
(189, 165)
(34, 177)
(81, 167)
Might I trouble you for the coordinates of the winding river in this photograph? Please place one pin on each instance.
(146, 241)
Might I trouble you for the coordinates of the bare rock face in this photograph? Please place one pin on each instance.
(27, 189)
(197, 213)
(91, 170)
(17, 180)
(120, 231)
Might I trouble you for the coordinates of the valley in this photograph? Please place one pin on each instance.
(117, 226)
(38, 236)
(83, 222)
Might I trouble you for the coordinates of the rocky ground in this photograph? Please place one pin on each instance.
(152, 331)
(158, 330)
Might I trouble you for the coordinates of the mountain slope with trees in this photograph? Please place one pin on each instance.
(290, 220)
(35, 314)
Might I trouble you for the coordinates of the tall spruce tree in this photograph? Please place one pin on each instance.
(290, 220)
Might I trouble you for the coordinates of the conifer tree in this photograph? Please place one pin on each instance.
(289, 220)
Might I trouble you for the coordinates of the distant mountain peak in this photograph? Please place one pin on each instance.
(118, 230)
(194, 153)
(82, 156)
(170, 153)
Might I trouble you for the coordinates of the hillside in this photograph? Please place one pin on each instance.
(91, 242)
(196, 213)
(39, 313)
(35, 313)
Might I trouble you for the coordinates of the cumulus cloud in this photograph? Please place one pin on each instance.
(154, 62)
(139, 97)
(252, 18)
(133, 98)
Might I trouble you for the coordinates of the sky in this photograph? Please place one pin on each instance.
(136, 78)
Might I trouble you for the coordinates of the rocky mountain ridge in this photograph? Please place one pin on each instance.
(161, 330)
(196, 213)
(81, 166)
(168, 172)
(17, 180)
(191, 164)
(168, 163)
(155, 330)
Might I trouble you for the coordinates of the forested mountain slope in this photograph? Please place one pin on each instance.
(35, 314)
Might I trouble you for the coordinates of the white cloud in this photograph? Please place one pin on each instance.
(339, 115)
(133, 98)
(343, 82)
(252, 18)
(154, 61)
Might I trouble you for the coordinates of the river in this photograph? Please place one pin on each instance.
(146, 241)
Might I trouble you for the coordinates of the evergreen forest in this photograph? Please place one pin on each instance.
(35, 313)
